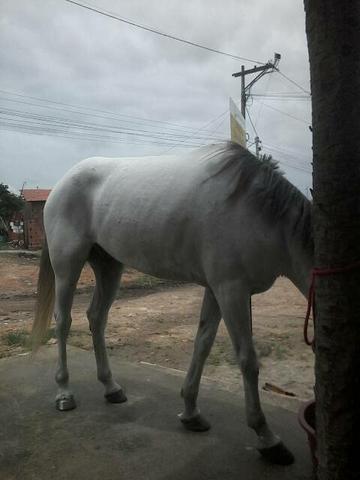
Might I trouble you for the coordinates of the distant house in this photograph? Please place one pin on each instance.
(33, 217)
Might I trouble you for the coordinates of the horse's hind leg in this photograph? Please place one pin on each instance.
(107, 273)
(209, 322)
(67, 268)
(235, 307)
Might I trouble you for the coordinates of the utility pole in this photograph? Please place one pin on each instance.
(269, 67)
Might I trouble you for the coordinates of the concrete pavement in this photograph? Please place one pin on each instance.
(139, 440)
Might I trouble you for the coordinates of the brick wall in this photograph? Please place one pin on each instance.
(34, 226)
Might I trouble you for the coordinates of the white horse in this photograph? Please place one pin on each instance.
(218, 217)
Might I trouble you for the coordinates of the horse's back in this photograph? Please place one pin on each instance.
(98, 185)
(167, 216)
(144, 211)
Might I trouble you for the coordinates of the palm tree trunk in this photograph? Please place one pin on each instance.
(333, 32)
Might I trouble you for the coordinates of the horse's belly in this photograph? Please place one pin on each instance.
(159, 248)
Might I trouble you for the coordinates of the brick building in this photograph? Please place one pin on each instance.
(33, 217)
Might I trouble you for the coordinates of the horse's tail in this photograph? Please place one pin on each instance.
(45, 299)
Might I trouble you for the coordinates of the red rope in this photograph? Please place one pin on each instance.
(320, 272)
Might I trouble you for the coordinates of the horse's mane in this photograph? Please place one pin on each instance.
(261, 184)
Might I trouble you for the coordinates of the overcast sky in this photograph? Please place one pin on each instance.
(102, 87)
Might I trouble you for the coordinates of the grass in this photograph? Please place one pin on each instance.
(280, 352)
(21, 338)
(147, 281)
(263, 348)
(222, 353)
(17, 338)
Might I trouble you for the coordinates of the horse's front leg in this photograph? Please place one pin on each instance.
(209, 322)
(234, 301)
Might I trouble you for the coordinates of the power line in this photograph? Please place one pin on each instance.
(52, 132)
(168, 136)
(291, 152)
(198, 130)
(291, 81)
(88, 138)
(262, 103)
(158, 32)
(213, 131)
(293, 166)
(98, 113)
(277, 149)
(33, 116)
(286, 114)
(282, 96)
(281, 151)
(41, 123)
(252, 124)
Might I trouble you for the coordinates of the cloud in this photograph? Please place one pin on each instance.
(55, 50)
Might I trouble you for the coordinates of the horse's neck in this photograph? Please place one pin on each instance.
(300, 273)
(300, 260)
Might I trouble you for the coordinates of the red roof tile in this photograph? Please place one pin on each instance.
(35, 194)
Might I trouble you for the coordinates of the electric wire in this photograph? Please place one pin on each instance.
(158, 32)
(291, 153)
(278, 150)
(201, 128)
(92, 135)
(29, 129)
(218, 126)
(35, 123)
(97, 112)
(251, 122)
(262, 103)
(216, 129)
(293, 166)
(168, 132)
(293, 82)
(282, 96)
(70, 123)
(286, 114)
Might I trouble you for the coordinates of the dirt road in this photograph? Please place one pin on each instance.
(156, 322)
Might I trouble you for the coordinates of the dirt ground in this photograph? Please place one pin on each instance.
(156, 321)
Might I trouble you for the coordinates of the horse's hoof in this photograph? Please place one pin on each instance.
(65, 403)
(277, 454)
(196, 424)
(116, 397)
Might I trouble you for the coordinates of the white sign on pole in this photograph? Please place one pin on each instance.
(237, 124)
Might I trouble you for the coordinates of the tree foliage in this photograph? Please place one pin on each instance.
(9, 203)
